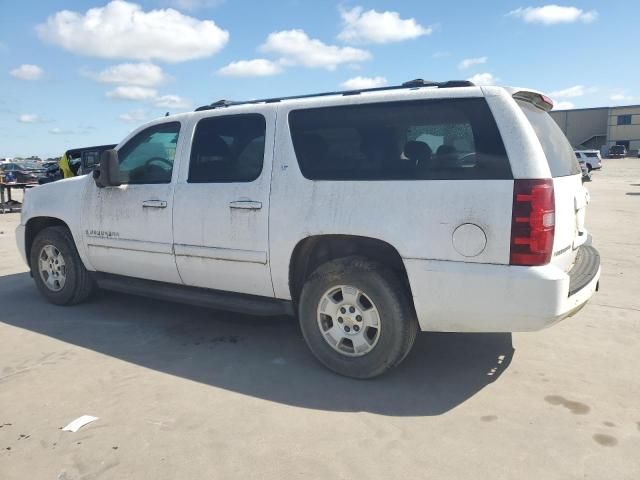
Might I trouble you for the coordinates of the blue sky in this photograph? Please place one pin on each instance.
(76, 73)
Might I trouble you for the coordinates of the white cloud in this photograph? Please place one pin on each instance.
(470, 62)
(149, 95)
(134, 116)
(378, 27)
(27, 72)
(553, 14)
(123, 30)
(60, 131)
(258, 67)
(29, 118)
(573, 92)
(484, 79)
(132, 92)
(141, 74)
(172, 101)
(296, 48)
(193, 4)
(620, 96)
(357, 83)
(565, 105)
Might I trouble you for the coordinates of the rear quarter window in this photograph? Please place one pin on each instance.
(556, 147)
(417, 140)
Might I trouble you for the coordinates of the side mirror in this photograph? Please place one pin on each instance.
(108, 172)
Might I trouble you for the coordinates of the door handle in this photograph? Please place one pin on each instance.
(246, 205)
(154, 204)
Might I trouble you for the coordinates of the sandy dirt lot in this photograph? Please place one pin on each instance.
(188, 393)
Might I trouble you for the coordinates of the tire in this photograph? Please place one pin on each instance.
(77, 285)
(378, 288)
(589, 168)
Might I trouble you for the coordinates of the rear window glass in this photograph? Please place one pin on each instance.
(555, 145)
(433, 139)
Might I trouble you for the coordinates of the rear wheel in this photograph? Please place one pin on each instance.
(357, 317)
(57, 268)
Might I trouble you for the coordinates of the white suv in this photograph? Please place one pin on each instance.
(369, 214)
(591, 159)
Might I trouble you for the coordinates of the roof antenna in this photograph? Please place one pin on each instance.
(166, 114)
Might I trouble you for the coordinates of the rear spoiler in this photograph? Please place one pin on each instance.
(535, 98)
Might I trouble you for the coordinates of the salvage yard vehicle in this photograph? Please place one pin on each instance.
(617, 151)
(591, 159)
(369, 214)
(24, 172)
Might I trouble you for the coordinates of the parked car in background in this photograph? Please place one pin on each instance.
(51, 174)
(22, 172)
(81, 162)
(617, 151)
(32, 166)
(369, 215)
(90, 157)
(592, 159)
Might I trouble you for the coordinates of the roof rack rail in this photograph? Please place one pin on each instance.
(411, 84)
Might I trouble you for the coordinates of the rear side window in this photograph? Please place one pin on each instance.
(432, 139)
(227, 149)
(555, 145)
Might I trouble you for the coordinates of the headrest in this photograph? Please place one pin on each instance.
(417, 151)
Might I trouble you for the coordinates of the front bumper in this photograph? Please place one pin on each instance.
(20, 230)
(470, 297)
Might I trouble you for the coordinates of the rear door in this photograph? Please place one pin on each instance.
(571, 197)
(221, 208)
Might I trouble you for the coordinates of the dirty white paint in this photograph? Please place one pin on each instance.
(218, 245)
(469, 240)
(453, 236)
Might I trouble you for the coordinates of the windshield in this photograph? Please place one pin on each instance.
(29, 165)
(617, 148)
(556, 147)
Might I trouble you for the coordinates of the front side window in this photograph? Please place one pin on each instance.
(148, 157)
(228, 149)
(416, 140)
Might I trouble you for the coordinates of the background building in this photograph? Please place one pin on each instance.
(599, 128)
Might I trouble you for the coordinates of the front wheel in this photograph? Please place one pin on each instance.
(57, 268)
(357, 317)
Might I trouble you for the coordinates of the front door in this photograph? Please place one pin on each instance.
(221, 207)
(128, 229)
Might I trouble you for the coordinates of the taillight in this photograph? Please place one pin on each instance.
(532, 222)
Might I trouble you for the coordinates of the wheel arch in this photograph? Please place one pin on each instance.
(312, 251)
(35, 225)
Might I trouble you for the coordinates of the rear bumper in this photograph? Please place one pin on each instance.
(469, 297)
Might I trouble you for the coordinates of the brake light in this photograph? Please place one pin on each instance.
(532, 222)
